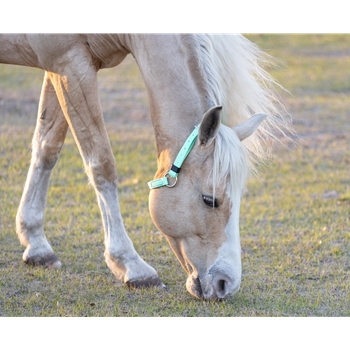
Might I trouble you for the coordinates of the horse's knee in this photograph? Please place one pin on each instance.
(49, 154)
(47, 144)
(101, 172)
(45, 155)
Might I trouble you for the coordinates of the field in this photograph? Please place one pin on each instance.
(295, 219)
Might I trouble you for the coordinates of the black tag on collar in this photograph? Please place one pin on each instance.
(175, 169)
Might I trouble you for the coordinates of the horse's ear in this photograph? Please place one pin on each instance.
(209, 126)
(248, 127)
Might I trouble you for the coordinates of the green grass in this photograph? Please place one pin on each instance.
(295, 240)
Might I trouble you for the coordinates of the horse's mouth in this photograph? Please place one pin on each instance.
(197, 288)
(194, 287)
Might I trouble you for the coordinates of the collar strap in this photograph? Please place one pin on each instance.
(176, 166)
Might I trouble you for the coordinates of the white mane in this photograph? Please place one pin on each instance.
(230, 162)
(231, 68)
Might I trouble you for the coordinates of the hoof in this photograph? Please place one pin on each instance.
(49, 261)
(146, 283)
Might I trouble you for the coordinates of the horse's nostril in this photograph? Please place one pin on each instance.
(222, 286)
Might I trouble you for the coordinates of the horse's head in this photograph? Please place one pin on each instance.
(200, 215)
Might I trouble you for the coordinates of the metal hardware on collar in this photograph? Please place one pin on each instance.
(167, 185)
(176, 166)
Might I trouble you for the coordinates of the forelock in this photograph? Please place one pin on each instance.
(231, 165)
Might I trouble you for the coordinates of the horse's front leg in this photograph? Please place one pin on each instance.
(50, 132)
(78, 96)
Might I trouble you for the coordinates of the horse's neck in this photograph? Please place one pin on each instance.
(176, 104)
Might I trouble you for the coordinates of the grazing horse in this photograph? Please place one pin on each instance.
(202, 91)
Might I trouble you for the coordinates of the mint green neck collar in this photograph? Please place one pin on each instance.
(176, 166)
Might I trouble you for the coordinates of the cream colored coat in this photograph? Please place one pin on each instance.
(188, 78)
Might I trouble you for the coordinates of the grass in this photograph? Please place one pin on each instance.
(294, 221)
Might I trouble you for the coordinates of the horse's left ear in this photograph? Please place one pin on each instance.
(209, 126)
(248, 127)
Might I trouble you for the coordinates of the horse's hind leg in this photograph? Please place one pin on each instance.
(50, 132)
(77, 91)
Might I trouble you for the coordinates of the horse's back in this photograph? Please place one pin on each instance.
(15, 49)
(52, 51)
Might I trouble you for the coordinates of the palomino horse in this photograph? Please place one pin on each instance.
(202, 91)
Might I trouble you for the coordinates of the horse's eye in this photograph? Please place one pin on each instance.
(210, 201)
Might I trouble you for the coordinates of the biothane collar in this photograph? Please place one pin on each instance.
(176, 166)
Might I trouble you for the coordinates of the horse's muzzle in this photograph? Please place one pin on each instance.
(212, 287)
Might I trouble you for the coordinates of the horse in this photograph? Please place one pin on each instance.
(213, 108)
